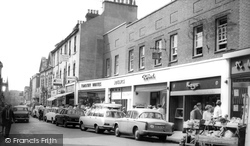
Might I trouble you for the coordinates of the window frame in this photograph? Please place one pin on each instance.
(131, 60)
(172, 46)
(75, 44)
(69, 70)
(157, 46)
(116, 65)
(225, 31)
(69, 47)
(107, 67)
(196, 40)
(74, 69)
(142, 57)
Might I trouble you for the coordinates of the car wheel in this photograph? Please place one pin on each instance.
(117, 132)
(162, 138)
(57, 123)
(137, 134)
(65, 124)
(97, 130)
(82, 127)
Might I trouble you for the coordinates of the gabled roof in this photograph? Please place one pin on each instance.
(43, 64)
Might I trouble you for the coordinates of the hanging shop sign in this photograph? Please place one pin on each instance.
(64, 58)
(57, 82)
(196, 84)
(147, 77)
(70, 88)
(240, 65)
(88, 85)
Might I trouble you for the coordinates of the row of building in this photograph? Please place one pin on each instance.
(185, 52)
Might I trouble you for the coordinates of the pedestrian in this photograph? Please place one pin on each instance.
(207, 115)
(192, 113)
(217, 110)
(160, 109)
(8, 118)
(197, 115)
(40, 114)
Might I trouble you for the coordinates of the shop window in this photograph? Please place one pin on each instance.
(198, 40)
(173, 47)
(221, 37)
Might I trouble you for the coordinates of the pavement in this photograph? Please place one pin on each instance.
(176, 137)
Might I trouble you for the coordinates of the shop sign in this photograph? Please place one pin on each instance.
(53, 92)
(119, 82)
(57, 81)
(60, 91)
(147, 77)
(240, 65)
(70, 88)
(88, 85)
(192, 86)
(64, 58)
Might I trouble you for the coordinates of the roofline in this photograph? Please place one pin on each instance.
(113, 29)
(151, 13)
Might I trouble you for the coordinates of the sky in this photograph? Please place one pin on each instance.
(29, 30)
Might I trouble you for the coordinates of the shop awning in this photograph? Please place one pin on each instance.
(58, 95)
(151, 88)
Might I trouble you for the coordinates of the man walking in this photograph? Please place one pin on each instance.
(8, 118)
(197, 115)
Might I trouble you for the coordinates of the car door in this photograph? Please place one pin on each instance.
(123, 122)
(131, 121)
(88, 119)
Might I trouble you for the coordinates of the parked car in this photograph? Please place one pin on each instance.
(45, 111)
(50, 116)
(21, 113)
(68, 117)
(100, 119)
(144, 122)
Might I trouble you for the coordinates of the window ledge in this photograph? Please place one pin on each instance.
(142, 68)
(173, 61)
(130, 71)
(156, 65)
(197, 56)
(219, 51)
(117, 74)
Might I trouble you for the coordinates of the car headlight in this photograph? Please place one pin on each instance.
(152, 126)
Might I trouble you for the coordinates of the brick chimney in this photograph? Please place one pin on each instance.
(91, 14)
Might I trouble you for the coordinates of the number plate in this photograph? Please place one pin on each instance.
(160, 127)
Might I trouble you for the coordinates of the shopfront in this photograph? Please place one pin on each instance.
(91, 93)
(240, 77)
(185, 94)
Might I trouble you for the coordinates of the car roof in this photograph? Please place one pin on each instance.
(20, 106)
(141, 110)
(111, 105)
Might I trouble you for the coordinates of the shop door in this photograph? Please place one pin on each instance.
(154, 98)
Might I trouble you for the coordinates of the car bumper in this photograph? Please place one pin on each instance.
(106, 127)
(72, 123)
(155, 133)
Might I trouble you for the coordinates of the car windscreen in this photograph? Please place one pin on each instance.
(20, 109)
(71, 112)
(150, 115)
(115, 114)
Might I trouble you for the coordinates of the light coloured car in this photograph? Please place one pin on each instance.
(35, 111)
(51, 114)
(101, 117)
(144, 122)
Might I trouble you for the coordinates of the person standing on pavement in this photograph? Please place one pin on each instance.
(8, 118)
(217, 110)
(197, 112)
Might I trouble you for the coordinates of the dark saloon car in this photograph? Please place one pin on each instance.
(21, 113)
(68, 117)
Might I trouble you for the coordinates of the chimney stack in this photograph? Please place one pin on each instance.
(91, 14)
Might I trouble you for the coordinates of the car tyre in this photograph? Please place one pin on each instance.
(117, 132)
(65, 124)
(57, 123)
(82, 127)
(162, 138)
(97, 130)
(137, 134)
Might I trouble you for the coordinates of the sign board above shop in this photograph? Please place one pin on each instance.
(57, 82)
(89, 85)
(240, 65)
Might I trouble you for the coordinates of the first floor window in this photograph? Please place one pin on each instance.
(221, 24)
(158, 47)
(74, 69)
(142, 57)
(198, 40)
(131, 60)
(107, 67)
(173, 47)
(116, 64)
(68, 70)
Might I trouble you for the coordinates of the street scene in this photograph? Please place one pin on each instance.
(125, 72)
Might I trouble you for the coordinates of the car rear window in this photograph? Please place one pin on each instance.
(151, 115)
(20, 109)
(114, 114)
